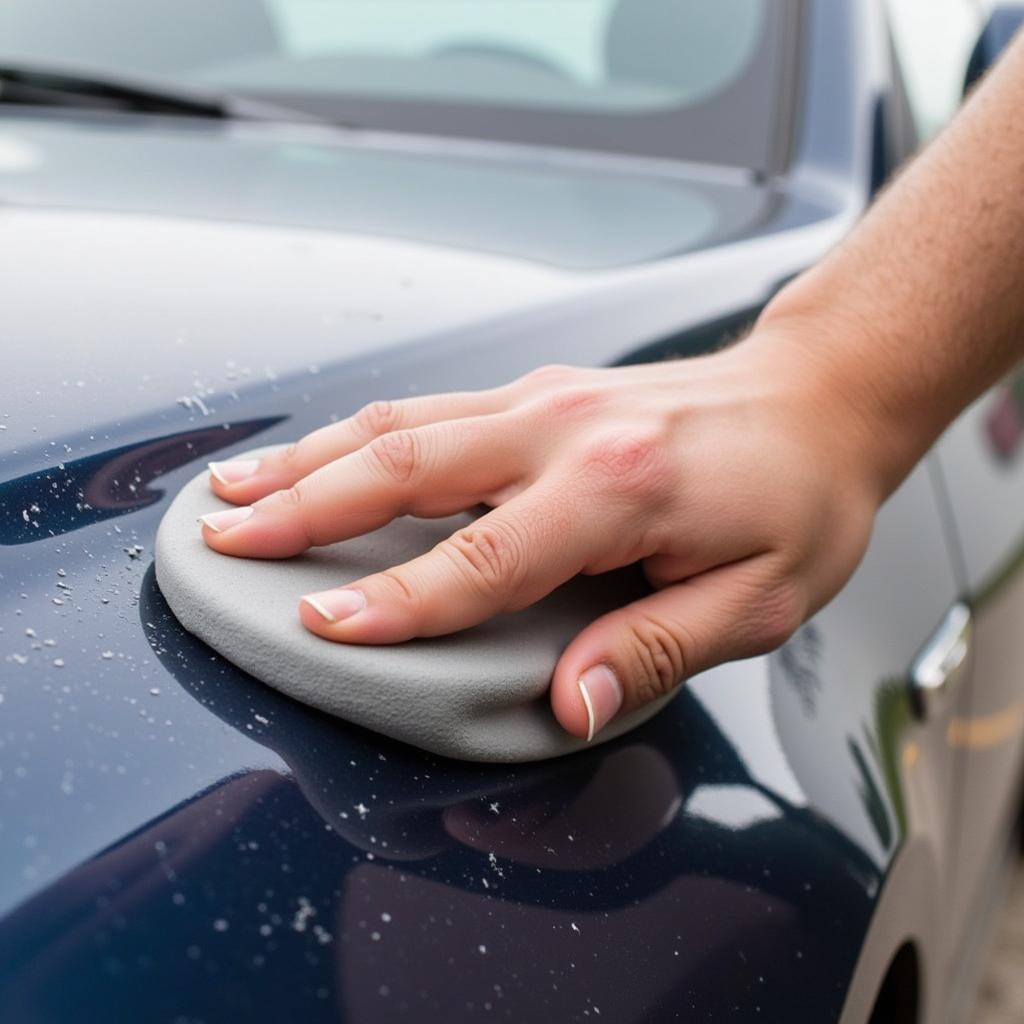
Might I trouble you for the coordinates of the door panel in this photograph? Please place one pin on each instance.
(982, 459)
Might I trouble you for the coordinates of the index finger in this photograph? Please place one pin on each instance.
(435, 470)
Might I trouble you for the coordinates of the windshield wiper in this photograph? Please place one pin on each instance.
(47, 86)
(32, 85)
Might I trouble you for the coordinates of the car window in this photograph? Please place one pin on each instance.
(660, 77)
(591, 54)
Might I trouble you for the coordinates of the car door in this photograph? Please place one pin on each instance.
(982, 463)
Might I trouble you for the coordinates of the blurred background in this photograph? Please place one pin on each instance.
(934, 38)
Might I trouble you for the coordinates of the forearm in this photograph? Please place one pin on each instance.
(922, 306)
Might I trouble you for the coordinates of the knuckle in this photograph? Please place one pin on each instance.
(400, 583)
(658, 657)
(293, 497)
(572, 400)
(553, 373)
(395, 455)
(290, 456)
(631, 464)
(293, 503)
(489, 556)
(377, 418)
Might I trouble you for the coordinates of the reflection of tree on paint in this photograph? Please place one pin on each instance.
(799, 661)
(871, 796)
(109, 484)
(879, 784)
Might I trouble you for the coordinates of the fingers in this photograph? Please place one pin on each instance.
(243, 481)
(435, 470)
(505, 560)
(641, 652)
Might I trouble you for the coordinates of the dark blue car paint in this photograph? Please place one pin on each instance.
(319, 873)
(180, 843)
(237, 877)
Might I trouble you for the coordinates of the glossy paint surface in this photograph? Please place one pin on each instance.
(177, 838)
(380, 882)
(178, 842)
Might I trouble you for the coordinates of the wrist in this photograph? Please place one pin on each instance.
(849, 377)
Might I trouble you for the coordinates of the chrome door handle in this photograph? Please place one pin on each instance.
(943, 662)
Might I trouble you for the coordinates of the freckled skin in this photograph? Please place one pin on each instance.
(746, 482)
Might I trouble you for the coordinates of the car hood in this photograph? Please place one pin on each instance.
(154, 260)
(211, 848)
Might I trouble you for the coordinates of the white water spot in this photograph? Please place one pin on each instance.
(190, 402)
(305, 911)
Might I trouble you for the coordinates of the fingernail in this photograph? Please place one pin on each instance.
(335, 605)
(602, 695)
(221, 521)
(234, 471)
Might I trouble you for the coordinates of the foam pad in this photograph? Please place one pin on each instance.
(479, 695)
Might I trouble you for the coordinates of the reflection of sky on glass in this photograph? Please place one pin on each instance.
(570, 32)
(568, 37)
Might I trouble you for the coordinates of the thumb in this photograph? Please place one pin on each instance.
(641, 652)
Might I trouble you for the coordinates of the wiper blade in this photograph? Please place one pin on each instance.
(40, 86)
(88, 89)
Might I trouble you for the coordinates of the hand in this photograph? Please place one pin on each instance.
(739, 480)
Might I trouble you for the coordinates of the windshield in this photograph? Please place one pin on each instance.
(659, 77)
